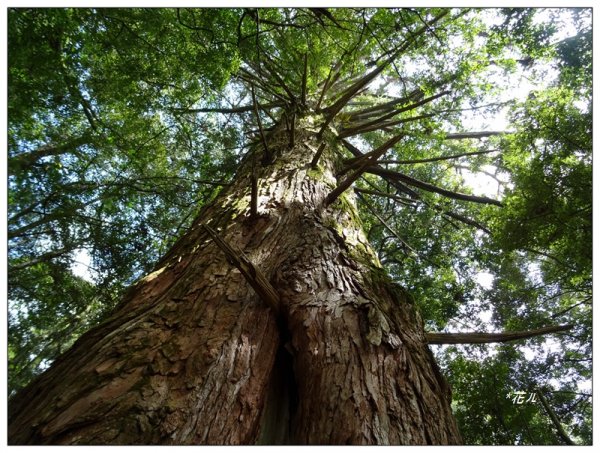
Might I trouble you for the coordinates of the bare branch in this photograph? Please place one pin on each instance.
(387, 125)
(411, 202)
(260, 128)
(304, 80)
(435, 159)
(485, 337)
(23, 231)
(403, 200)
(315, 160)
(272, 68)
(40, 259)
(385, 224)
(251, 79)
(27, 159)
(379, 122)
(430, 187)
(462, 135)
(568, 309)
(369, 159)
(332, 76)
(386, 107)
(555, 421)
(251, 273)
(397, 184)
(465, 220)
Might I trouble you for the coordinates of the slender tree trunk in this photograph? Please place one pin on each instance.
(193, 356)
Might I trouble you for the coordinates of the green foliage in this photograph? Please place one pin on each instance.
(486, 406)
(549, 159)
(49, 309)
(105, 155)
(97, 159)
(543, 259)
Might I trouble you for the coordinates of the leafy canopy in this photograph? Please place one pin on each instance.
(124, 122)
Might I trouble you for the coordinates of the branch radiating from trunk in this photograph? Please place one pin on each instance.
(272, 68)
(397, 184)
(357, 86)
(386, 126)
(436, 159)
(253, 79)
(463, 135)
(376, 170)
(380, 122)
(496, 337)
(251, 273)
(368, 159)
(315, 161)
(415, 95)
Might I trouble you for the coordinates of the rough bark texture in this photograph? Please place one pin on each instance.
(193, 356)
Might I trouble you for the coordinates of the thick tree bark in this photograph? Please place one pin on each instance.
(193, 356)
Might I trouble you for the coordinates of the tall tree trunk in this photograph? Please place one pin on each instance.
(193, 356)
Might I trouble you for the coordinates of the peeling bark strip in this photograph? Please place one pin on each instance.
(485, 337)
(188, 356)
(252, 274)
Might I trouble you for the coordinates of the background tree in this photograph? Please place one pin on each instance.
(544, 272)
(140, 118)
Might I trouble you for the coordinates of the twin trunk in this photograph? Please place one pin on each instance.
(193, 356)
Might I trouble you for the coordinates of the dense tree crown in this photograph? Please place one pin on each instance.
(465, 135)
